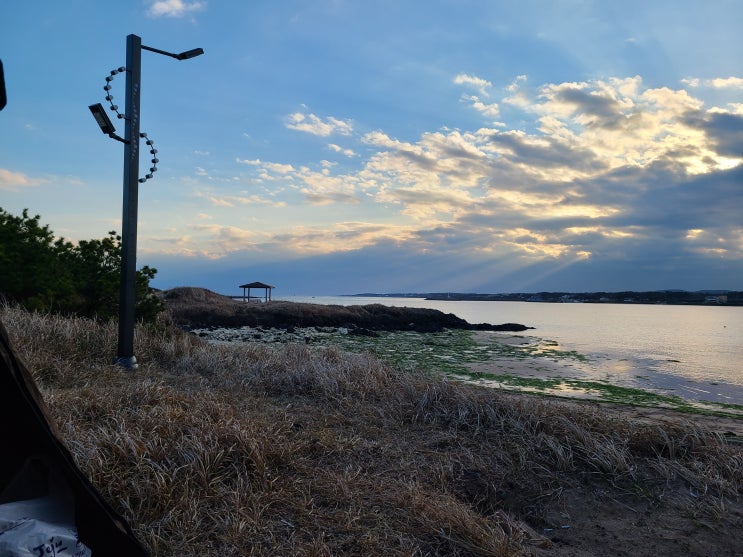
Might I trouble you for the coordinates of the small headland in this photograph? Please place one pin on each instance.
(198, 308)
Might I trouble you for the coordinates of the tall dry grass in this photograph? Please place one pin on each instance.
(257, 450)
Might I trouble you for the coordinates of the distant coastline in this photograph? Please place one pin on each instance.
(670, 297)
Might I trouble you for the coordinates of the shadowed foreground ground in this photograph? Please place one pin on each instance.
(293, 450)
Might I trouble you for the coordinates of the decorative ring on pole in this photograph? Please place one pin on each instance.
(107, 89)
(155, 160)
(115, 108)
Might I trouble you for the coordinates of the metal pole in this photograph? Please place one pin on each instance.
(125, 356)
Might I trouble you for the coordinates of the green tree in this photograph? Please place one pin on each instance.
(44, 273)
(30, 267)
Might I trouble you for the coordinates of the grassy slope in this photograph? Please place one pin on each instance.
(257, 450)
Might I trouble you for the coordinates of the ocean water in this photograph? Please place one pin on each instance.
(692, 351)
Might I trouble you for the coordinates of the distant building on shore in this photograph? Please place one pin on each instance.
(257, 286)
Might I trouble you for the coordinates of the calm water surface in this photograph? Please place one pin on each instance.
(693, 351)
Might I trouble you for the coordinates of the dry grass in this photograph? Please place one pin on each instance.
(256, 450)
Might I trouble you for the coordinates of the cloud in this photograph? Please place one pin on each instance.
(309, 123)
(340, 237)
(320, 188)
(317, 187)
(596, 105)
(605, 153)
(716, 83)
(204, 241)
(174, 8)
(723, 130)
(216, 241)
(341, 150)
(481, 84)
(183, 246)
(439, 163)
(210, 175)
(235, 200)
(221, 200)
(270, 171)
(607, 172)
(490, 110)
(729, 82)
(516, 83)
(14, 181)
(541, 156)
(270, 167)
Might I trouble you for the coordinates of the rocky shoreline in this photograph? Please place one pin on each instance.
(270, 335)
(198, 309)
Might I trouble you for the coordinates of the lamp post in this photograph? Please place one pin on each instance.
(125, 353)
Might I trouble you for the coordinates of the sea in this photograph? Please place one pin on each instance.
(695, 352)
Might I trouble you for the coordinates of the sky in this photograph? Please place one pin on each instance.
(347, 146)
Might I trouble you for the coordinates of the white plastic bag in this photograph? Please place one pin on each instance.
(37, 528)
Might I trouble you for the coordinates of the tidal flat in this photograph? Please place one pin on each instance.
(510, 361)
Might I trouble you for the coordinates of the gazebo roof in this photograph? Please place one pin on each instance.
(256, 285)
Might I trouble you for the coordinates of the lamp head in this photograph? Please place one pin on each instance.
(193, 53)
(101, 117)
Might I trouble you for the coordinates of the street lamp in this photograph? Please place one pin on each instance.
(182, 56)
(107, 127)
(125, 354)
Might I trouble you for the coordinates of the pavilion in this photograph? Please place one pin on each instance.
(257, 285)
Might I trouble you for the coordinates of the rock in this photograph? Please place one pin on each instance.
(199, 309)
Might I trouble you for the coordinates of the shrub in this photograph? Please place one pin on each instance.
(45, 273)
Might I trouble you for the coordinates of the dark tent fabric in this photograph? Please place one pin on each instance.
(28, 433)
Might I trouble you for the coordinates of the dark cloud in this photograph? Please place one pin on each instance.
(458, 161)
(452, 151)
(655, 210)
(549, 153)
(422, 160)
(724, 130)
(592, 104)
(394, 267)
(678, 203)
(600, 111)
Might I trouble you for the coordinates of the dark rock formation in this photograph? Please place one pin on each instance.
(199, 308)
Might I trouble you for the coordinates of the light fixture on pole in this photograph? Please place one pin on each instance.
(125, 353)
(104, 122)
(193, 53)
